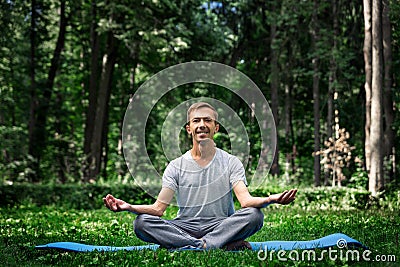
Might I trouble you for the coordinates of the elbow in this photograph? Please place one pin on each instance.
(158, 210)
(245, 204)
(159, 213)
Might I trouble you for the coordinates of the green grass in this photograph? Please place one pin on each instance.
(24, 227)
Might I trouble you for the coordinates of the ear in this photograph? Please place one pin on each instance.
(188, 129)
(216, 127)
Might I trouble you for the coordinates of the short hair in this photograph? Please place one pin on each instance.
(199, 105)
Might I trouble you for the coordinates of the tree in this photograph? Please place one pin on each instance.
(92, 91)
(298, 53)
(367, 49)
(376, 178)
(274, 77)
(316, 95)
(333, 116)
(41, 104)
(388, 105)
(99, 135)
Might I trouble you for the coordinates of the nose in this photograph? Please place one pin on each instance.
(202, 123)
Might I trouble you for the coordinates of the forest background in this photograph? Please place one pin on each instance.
(327, 68)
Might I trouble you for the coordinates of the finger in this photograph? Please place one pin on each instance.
(110, 197)
(288, 196)
(106, 203)
(109, 201)
(291, 196)
(282, 196)
(114, 204)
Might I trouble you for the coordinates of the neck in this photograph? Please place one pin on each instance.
(204, 150)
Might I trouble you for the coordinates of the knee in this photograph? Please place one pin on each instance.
(254, 217)
(140, 223)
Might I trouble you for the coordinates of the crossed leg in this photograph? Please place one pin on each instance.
(214, 232)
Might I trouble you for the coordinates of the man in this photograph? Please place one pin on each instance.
(203, 179)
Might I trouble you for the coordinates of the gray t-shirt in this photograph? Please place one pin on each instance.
(204, 191)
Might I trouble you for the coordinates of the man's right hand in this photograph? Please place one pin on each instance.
(115, 204)
(156, 209)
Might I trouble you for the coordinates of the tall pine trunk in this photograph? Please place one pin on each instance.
(388, 105)
(376, 181)
(274, 90)
(92, 91)
(367, 50)
(101, 117)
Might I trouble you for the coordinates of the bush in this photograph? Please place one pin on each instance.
(77, 196)
(333, 198)
(89, 196)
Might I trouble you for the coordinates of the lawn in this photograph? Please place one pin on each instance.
(23, 227)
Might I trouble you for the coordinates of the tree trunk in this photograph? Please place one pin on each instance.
(103, 97)
(93, 86)
(316, 104)
(61, 145)
(104, 143)
(388, 104)
(367, 50)
(37, 142)
(330, 123)
(34, 100)
(274, 91)
(333, 112)
(290, 156)
(376, 181)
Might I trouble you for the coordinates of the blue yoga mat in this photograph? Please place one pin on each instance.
(338, 239)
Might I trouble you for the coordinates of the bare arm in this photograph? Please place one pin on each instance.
(247, 200)
(157, 208)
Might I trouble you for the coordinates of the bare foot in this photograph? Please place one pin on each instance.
(237, 245)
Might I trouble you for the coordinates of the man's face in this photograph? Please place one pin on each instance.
(202, 124)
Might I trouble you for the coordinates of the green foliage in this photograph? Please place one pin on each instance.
(74, 196)
(324, 198)
(89, 196)
(359, 179)
(153, 35)
(14, 166)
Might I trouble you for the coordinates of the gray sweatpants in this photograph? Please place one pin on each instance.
(189, 232)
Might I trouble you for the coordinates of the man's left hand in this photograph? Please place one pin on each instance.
(283, 198)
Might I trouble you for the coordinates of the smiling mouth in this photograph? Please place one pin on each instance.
(202, 132)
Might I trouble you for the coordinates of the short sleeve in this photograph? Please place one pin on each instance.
(236, 171)
(170, 177)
